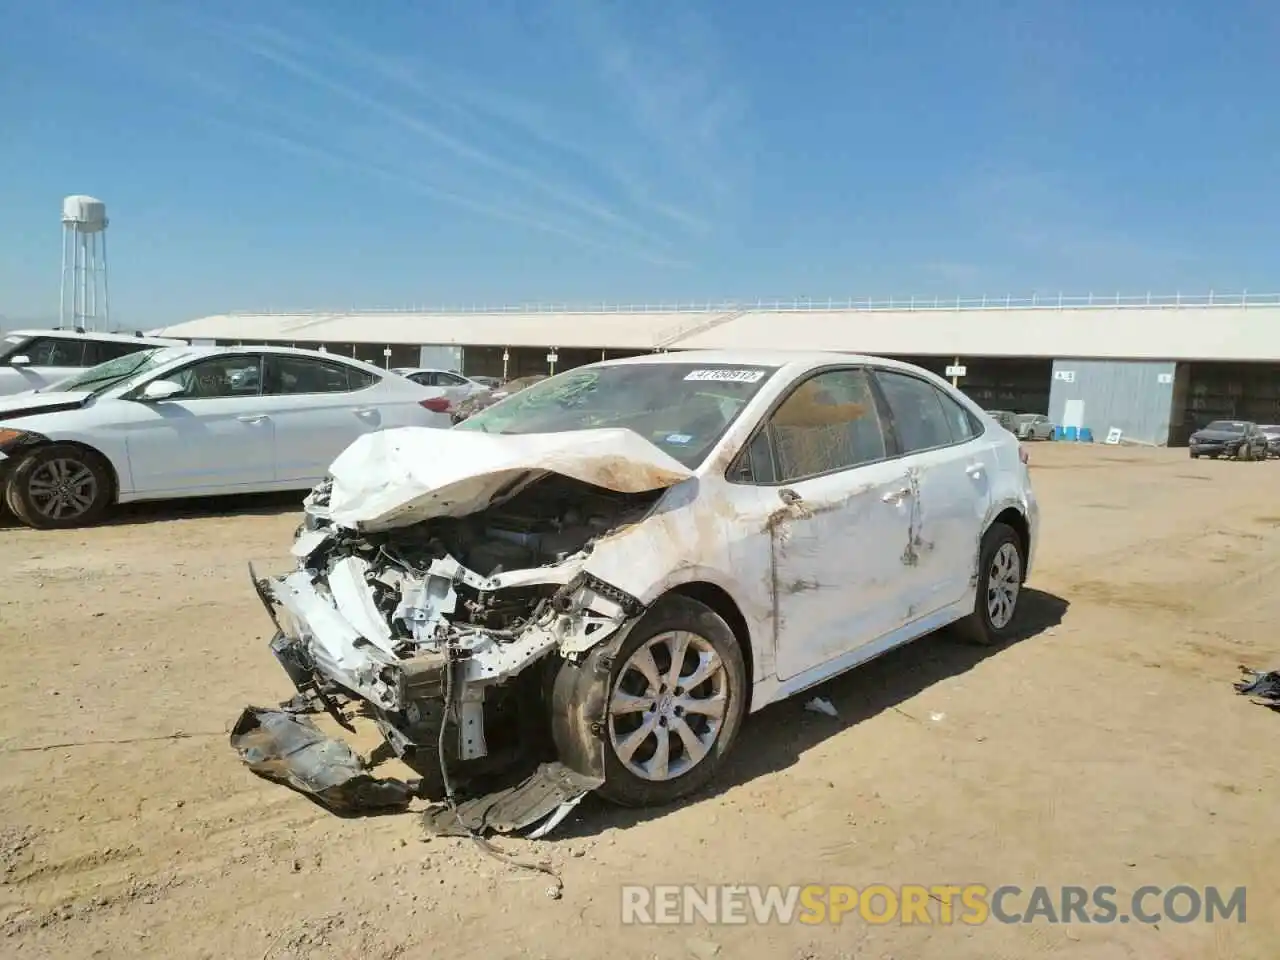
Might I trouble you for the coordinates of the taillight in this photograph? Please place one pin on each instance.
(435, 404)
(1022, 454)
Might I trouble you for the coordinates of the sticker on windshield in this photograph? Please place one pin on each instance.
(679, 438)
(727, 376)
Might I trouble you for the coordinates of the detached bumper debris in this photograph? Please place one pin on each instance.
(548, 796)
(1263, 687)
(290, 749)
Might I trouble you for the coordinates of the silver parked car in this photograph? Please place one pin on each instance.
(1272, 432)
(1033, 426)
(456, 387)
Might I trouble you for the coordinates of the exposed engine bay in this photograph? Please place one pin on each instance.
(443, 590)
(452, 630)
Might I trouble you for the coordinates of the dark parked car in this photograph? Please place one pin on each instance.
(1272, 432)
(1241, 439)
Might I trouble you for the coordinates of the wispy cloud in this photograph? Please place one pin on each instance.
(363, 125)
(677, 91)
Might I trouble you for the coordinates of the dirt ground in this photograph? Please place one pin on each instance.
(1107, 747)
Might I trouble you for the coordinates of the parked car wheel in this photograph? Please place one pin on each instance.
(677, 694)
(58, 487)
(1001, 563)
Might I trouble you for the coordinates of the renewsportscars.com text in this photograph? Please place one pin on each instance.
(969, 904)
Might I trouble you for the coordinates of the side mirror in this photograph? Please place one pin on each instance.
(22, 360)
(161, 390)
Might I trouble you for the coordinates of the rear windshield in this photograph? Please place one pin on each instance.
(682, 408)
(1226, 426)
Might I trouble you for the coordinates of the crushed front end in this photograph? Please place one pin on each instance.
(472, 641)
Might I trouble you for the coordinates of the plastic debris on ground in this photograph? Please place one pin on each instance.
(289, 749)
(821, 705)
(1264, 688)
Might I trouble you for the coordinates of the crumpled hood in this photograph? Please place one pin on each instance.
(30, 403)
(402, 476)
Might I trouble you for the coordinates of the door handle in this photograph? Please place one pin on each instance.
(365, 411)
(974, 470)
(788, 496)
(897, 496)
(252, 418)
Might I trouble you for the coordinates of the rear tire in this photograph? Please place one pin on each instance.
(664, 738)
(59, 487)
(995, 611)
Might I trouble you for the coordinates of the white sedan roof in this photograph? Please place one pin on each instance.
(797, 359)
(98, 337)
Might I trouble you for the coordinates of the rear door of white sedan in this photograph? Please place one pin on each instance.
(950, 468)
(321, 405)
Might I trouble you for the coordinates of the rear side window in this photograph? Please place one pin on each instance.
(54, 352)
(289, 375)
(964, 425)
(918, 415)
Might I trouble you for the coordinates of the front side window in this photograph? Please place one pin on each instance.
(829, 422)
(235, 375)
(290, 375)
(450, 380)
(682, 408)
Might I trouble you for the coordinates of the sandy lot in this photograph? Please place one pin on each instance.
(1107, 747)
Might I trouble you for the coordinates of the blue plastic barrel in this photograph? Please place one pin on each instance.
(1057, 433)
(1071, 433)
(1086, 435)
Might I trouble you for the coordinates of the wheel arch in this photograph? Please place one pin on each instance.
(722, 603)
(43, 443)
(1015, 519)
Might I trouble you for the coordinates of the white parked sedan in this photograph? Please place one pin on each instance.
(193, 421)
(33, 359)
(456, 387)
(639, 552)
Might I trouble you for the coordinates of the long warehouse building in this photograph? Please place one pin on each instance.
(1153, 368)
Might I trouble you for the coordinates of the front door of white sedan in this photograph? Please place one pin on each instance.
(215, 436)
(839, 521)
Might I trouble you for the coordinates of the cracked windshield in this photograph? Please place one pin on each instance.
(681, 408)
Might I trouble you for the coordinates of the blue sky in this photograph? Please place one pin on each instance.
(332, 154)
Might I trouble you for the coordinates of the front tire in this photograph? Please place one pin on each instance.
(1001, 562)
(59, 487)
(677, 695)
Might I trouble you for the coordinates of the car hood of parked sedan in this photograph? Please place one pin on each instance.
(403, 476)
(29, 404)
(1217, 436)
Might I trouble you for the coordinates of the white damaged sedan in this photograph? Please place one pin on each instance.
(609, 569)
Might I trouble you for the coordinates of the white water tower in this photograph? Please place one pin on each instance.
(83, 297)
